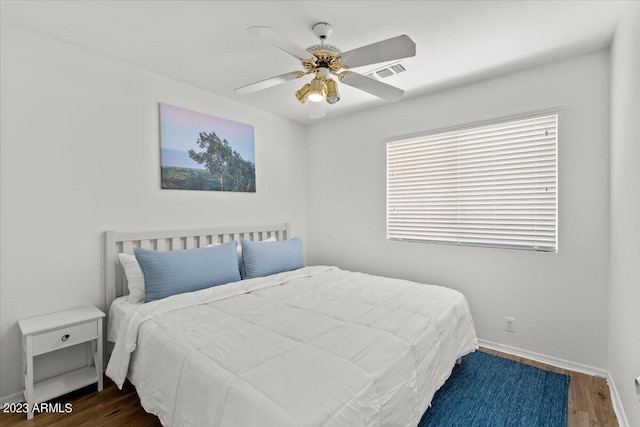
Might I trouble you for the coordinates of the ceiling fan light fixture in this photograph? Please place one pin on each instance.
(303, 93)
(316, 90)
(333, 95)
(328, 63)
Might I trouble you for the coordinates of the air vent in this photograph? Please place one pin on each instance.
(387, 71)
(398, 68)
(384, 73)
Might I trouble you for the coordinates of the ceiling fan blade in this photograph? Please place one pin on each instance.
(317, 110)
(385, 50)
(265, 84)
(281, 42)
(374, 87)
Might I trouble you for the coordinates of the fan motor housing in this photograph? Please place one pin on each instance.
(324, 55)
(322, 58)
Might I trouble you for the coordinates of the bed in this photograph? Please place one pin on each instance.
(315, 346)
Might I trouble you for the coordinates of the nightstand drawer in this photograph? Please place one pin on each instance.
(64, 337)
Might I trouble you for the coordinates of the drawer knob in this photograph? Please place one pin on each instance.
(65, 337)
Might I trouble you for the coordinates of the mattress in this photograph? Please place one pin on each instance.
(318, 346)
(119, 309)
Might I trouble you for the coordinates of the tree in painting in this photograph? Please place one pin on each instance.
(233, 172)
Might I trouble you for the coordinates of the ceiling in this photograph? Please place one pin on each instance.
(204, 43)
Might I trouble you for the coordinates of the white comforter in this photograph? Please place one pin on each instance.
(317, 346)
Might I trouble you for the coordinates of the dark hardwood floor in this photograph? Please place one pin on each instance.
(589, 404)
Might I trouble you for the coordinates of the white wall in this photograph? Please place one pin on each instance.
(559, 300)
(624, 293)
(80, 155)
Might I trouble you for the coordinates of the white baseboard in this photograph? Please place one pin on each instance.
(549, 360)
(617, 404)
(12, 398)
(566, 364)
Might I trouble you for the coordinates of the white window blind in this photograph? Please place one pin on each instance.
(490, 185)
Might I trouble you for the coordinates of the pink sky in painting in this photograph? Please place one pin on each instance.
(179, 130)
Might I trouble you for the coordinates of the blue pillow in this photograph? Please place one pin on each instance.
(264, 258)
(169, 273)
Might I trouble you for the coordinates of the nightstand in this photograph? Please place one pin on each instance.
(51, 332)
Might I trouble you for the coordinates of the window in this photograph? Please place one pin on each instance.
(489, 185)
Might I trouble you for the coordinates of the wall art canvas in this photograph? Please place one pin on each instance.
(203, 152)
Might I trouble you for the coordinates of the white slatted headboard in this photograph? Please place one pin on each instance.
(124, 242)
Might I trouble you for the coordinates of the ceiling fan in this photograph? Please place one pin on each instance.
(324, 60)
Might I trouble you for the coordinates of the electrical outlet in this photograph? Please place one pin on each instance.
(510, 324)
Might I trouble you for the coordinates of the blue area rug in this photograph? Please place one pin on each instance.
(490, 391)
